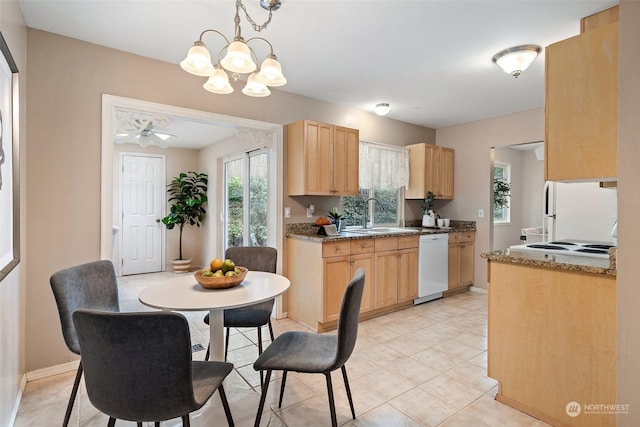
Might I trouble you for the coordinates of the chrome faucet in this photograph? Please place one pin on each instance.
(365, 208)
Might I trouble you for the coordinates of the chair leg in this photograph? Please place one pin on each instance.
(271, 330)
(346, 386)
(260, 350)
(206, 356)
(72, 398)
(225, 405)
(265, 387)
(282, 383)
(332, 405)
(186, 422)
(226, 343)
(111, 422)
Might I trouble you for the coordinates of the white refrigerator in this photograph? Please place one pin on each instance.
(578, 210)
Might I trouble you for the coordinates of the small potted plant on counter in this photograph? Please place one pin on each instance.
(428, 215)
(188, 194)
(335, 216)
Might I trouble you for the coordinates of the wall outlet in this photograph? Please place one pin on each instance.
(287, 212)
(480, 213)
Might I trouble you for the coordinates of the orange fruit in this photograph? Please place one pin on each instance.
(216, 264)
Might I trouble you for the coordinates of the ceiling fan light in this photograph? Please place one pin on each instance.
(198, 60)
(255, 87)
(271, 72)
(238, 58)
(515, 60)
(144, 141)
(382, 109)
(218, 82)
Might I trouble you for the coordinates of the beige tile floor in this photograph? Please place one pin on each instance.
(422, 366)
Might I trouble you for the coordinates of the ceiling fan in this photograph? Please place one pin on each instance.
(144, 135)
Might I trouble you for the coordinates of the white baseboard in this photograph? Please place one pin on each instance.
(16, 405)
(52, 370)
(479, 290)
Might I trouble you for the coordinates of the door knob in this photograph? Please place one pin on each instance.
(158, 220)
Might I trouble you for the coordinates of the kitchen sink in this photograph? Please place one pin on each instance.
(382, 230)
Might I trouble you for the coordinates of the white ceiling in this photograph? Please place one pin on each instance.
(429, 59)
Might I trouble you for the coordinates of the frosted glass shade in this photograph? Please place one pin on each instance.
(238, 58)
(198, 61)
(255, 87)
(516, 59)
(271, 72)
(382, 109)
(218, 83)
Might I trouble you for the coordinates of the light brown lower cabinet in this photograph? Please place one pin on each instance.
(552, 343)
(319, 273)
(461, 260)
(396, 270)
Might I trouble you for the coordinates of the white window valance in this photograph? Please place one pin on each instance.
(383, 166)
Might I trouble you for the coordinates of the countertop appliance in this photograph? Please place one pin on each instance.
(433, 267)
(568, 247)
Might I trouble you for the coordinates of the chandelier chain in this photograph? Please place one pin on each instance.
(255, 26)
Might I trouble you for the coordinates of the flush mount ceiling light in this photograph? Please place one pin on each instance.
(237, 58)
(515, 60)
(381, 109)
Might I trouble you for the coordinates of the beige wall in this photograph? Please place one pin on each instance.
(505, 235)
(473, 142)
(67, 79)
(628, 289)
(12, 287)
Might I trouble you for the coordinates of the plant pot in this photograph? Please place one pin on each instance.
(181, 265)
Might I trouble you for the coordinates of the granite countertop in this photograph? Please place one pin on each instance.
(309, 232)
(559, 262)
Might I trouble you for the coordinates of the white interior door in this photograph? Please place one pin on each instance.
(143, 197)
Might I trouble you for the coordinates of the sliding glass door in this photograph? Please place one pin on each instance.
(247, 192)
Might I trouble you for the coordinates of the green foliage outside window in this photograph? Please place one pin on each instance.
(258, 212)
(353, 207)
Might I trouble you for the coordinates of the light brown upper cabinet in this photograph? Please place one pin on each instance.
(322, 159)
(431, 168)
(581, 105)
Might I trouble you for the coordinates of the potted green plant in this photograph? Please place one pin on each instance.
(428, 215)
(187, 195)
(335, 216)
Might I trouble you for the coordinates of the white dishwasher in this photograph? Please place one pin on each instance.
(433, 267)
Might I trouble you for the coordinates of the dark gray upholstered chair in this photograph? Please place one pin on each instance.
(138, 366)
(255, 258)
(316, 354)
(90, 285)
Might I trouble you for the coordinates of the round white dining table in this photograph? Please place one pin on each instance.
(183, 293)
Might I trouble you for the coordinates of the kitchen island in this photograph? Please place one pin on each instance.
(552, 336)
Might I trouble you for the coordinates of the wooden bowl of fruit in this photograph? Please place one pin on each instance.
(214, 280)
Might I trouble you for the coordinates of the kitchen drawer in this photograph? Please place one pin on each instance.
(467, 236)
(362, 246)
(405, 242)
(386, 244)
(455, 237)
(335, 249)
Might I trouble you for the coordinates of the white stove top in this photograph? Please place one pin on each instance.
(568, 247)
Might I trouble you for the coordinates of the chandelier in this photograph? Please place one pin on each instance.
(237, 58)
